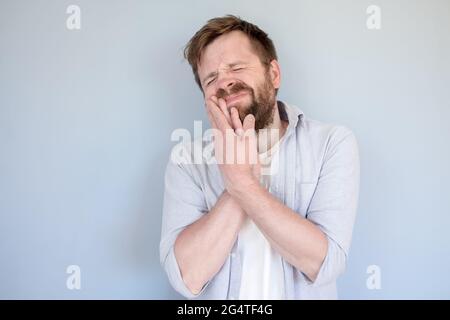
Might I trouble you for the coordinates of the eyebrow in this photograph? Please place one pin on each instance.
(214, 73)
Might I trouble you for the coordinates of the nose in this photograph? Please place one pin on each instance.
(226, 82)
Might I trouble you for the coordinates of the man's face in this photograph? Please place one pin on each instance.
(231, 69)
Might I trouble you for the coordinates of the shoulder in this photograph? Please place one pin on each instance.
(321, 133)
(317, 141)
(324, 131)
(192, 158)
(193, 152)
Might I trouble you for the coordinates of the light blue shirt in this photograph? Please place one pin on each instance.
(318, 178)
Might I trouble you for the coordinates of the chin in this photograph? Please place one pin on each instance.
(240, 106)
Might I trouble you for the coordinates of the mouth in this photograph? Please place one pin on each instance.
(235, 97)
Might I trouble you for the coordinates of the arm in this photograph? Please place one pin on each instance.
(194, 242)
(318, 245)
(202, 247)
(185, 212)
(298, 240)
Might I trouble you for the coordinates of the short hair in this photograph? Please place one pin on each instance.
(216, 27)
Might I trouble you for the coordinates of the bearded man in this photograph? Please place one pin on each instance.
(232, 230)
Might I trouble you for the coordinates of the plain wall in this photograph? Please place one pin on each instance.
(86, 117)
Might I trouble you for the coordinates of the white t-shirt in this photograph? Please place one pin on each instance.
(262, 274)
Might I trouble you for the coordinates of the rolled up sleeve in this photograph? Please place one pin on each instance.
(334, 203)
(184, 203)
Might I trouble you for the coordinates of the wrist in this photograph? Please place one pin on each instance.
(233, 206)
(243, 186)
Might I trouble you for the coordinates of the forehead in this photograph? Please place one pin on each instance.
(226, 49)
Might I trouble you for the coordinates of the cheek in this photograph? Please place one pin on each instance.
(209, 92)
(245, 78)
(251, 79)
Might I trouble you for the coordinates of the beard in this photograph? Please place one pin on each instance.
(261, 104)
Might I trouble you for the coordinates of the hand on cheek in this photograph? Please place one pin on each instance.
(222, 105)
(236, 153)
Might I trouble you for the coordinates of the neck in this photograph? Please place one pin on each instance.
(270, 135)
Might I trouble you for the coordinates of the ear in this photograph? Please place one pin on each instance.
(275, 73)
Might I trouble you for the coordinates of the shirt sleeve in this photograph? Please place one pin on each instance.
(334, 203)
(184, 203)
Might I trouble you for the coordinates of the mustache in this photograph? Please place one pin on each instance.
(235, 88)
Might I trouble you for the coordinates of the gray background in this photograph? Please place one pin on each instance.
(86, 118)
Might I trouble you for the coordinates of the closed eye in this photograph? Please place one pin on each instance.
(210, 81)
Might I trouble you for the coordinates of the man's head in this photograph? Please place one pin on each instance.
(235, 60)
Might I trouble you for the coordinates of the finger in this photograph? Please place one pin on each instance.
(250, 136)
(237, 125)
(214, 100)
(210, 117)
(223, 106)
(218, 116)
(249, 122)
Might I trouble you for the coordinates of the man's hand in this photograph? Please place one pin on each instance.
(235, 145)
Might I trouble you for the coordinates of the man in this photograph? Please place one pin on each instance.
(232, 231)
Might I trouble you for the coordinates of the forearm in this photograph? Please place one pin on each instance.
(297, 239)
(202, 248)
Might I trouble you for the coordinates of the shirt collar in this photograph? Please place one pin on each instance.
(291, 114)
